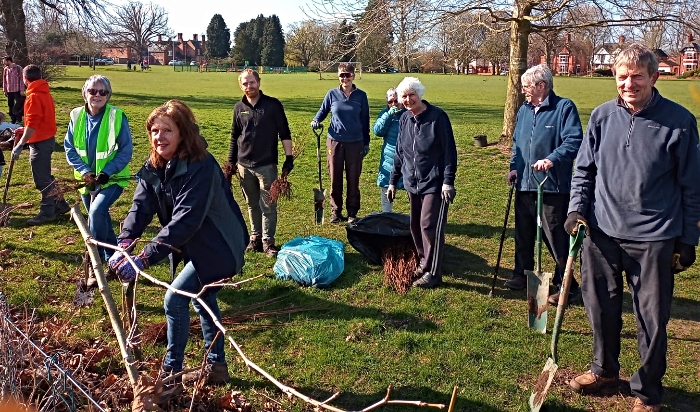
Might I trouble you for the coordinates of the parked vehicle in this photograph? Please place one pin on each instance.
(194, 63)
(175, 63)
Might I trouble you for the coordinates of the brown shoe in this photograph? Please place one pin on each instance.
(639, 406)
(269, 247)
(255, 245)
(589, 383)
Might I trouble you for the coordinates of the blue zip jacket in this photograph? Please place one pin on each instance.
(426, 153)
(197, 213)
(552, 132)
(387, 126)
(350, 115)
(637, 176)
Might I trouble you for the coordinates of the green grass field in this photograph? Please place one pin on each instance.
(358, 336)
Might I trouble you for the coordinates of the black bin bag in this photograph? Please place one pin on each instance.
(376, 233)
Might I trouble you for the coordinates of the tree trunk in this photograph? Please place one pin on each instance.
(519, 32)
(13, 19)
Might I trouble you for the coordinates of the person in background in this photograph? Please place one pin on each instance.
(348, 141)
(4, 124)
(258, 124)
(426, 158)
(387, 126)
(98, 147)
(13, 86)
(40, 133)
(184, 186)
(546, 140)
(636, 189)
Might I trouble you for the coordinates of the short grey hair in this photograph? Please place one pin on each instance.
(410, 84)
(391, 93)
(536, 74)
(97, 78)
(636, 54)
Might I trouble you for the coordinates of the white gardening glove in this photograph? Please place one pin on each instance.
(391, 193)
(448, 193)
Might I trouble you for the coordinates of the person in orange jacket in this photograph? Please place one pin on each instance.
(40, 134)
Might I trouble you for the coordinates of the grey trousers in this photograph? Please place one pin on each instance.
(647, 266)
(425, 213)
(255, 182)
(40, 162)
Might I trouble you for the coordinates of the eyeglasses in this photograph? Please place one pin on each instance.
(530, 86)
(392, 101)
(100, 92)
(344, 75)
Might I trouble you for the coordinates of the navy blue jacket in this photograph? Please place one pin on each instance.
(426, 153)
(350, 115)
(637, 176)
(197, 213)
(553, 132)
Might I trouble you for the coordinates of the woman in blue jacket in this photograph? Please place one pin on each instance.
(184, 185)
(387, 126)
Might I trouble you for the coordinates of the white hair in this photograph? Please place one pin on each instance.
(391, 93)
(410, 84)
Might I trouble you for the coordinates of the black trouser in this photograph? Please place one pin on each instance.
(345, 156)
(425, 214)
(647, 266)
(12, 98)
(554, 207)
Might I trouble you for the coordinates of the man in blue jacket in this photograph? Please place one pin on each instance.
(545, 143)
(636, 188)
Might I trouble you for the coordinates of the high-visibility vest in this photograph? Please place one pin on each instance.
(107, 145)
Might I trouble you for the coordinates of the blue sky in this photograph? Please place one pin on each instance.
(193, 16)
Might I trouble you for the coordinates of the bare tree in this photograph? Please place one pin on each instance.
(134, 25)
(530, 16)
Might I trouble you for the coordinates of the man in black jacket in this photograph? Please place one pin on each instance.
(258, 121)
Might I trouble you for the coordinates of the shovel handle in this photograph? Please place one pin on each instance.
(575, 243)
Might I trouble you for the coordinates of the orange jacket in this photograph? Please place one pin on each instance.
(39, 111)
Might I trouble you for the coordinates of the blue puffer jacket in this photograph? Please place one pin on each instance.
(553, 132)
(197, 213)
(387, 126)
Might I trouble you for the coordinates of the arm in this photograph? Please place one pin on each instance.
(72, 156)
(571, 136)
(585, 171)
(325, 107)
(28, 133)
(124, 152)
(450, 147)
(143, 207)
(398, 158)
(514, 148)
(233, 146)
(688, 172)
(283, 129)
(364, 119)
(382, 124)
(191, 205)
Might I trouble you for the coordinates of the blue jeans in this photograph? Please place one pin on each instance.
(99, 220)
(177, 315)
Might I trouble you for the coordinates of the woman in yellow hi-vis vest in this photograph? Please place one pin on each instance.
(98, 146)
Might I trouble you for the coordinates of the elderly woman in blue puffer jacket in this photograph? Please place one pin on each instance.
(387, 126)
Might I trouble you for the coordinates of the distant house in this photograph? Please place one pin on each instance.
(161, 51)
(604, 55)
(666, 64)
(688, 56)
(572, 58)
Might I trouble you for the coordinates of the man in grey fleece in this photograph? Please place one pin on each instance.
(637, 190)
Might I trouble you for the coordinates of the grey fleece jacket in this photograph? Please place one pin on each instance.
(637, 176)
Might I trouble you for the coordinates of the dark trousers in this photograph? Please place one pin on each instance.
(647, 266)
(345, 156)
(554, 207)
(12, 99)
(425, 213)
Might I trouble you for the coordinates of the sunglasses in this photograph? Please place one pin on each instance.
(344, 75)
(100, 92)
(392, 101)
